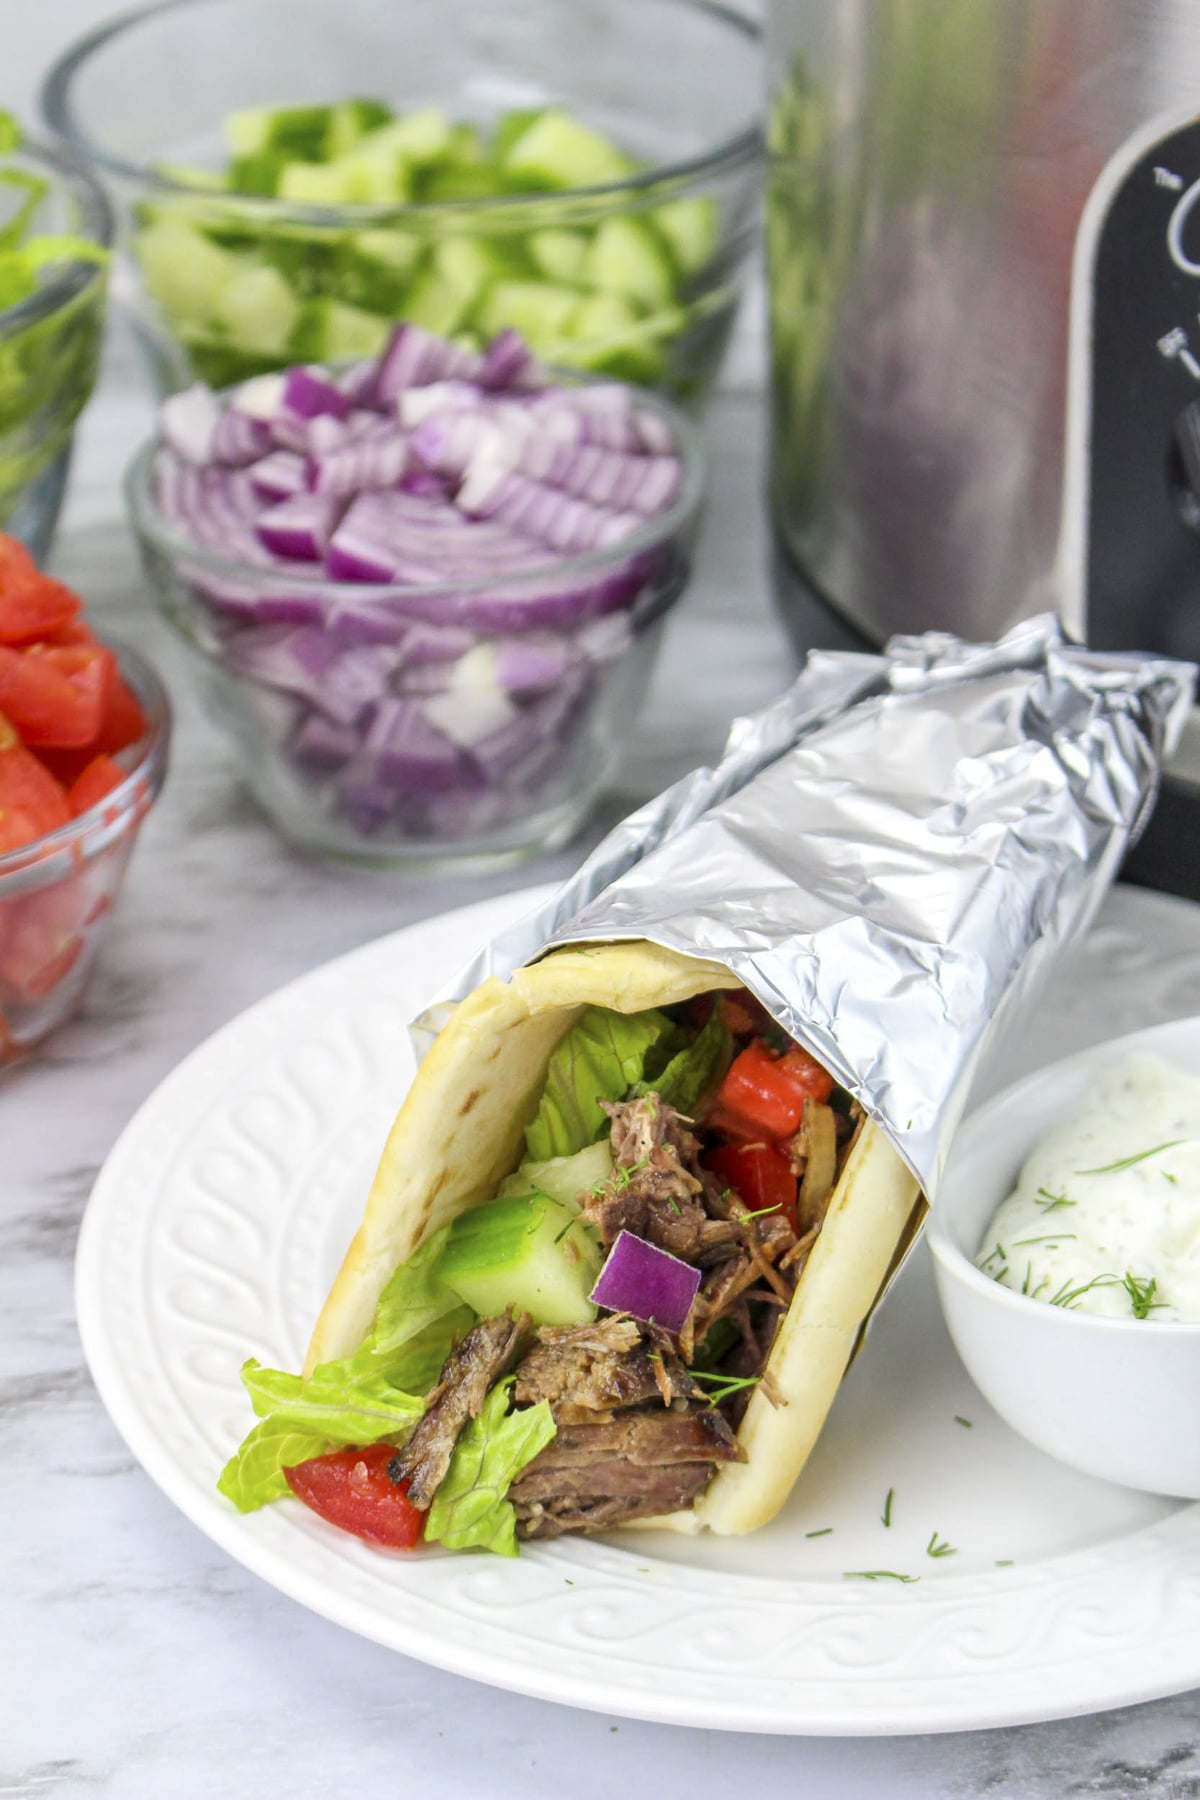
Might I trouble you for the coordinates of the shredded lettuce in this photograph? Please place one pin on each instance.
(375, 1394)
(471, 1509)
(697, 1068)
(602, 1057)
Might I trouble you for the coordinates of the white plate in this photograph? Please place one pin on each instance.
(214, 1231)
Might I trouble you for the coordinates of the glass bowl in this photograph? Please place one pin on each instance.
(229, 285)
(315, 680)
(57, 895)
(49, 351)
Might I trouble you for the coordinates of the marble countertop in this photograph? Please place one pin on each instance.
(142, 1664)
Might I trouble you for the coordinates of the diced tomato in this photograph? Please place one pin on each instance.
(75, 631)
(760, 1174)
(763, 1095)
(56, 695)
(31, 604)
(41, 935)
(100, 777)
(31, 800)
(353, 1490)
(123, 722)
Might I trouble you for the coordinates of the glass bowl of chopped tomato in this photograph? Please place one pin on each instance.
(84, 728)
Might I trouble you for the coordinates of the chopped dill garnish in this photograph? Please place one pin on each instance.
(1127, 1162)
(886, 1514)
(1069, 1297)
(1141, 1295)
(1052, 1200)
(998, 1251)
(942, 1547)
(1167, 1176)
(723, 1386)
(762, 1212)
(1053, 1237)
(876, 1575)
(1007, 1564)
(676, 1208)
(959, 1420)
(825, 1531)
(562, 1234)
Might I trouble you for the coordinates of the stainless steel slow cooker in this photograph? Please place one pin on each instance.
(984, 264)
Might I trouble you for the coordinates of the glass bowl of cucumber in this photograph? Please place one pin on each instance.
(55, 228)
(588, 174)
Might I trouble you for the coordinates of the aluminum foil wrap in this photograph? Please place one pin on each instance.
(890, 854)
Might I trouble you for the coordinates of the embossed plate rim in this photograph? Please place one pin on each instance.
(520, 1626)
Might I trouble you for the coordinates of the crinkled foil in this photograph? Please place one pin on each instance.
(890, 855)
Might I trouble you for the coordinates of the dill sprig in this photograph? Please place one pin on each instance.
(1052, 1237)
(939, 1547)
(1127, 1162)
(1050, 1202)
(1141, 1295)
(723, 1386)
(825, 1531)
(1069, 1296)
(886, 1514)
(876, 1575)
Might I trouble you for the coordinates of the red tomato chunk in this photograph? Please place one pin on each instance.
(353, 1490)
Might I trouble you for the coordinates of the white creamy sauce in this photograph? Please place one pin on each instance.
(1109, 1202)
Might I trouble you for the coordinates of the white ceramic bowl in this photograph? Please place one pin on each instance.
(1116, 1398)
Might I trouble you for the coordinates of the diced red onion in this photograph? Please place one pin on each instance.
(507, 360)
(300, 528)
(413, 358)
(448, 440)
(647, 1283)
(260, 398)
(436, 644)
(415, 404)
(323, 747)
(468, 718)
(370, 460)
(188, 422)
(530, 665)
(310, 392)
(408, 751)
(279, 475)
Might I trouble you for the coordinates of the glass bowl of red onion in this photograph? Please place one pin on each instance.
(423, 593)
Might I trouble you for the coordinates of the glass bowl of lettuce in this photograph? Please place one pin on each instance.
(55, 231)
(587, 173)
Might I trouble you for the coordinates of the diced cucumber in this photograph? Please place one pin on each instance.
(434, 304)
(182, 270)
(464, 147)
(449, 182)
(557, 151)
(625, 258)
(564, 1178)
(524, 1251)
(558, 254)
(419, 137)
(256, 174)
(539, 310)
(375, 268)
(327, 331)
(188, 175)
(512, 126)
(296, 131)
(258, 309)
(467, 265)
(351, 120)
(690, 228)
(308, 257)
(608, 336)
(315, 183)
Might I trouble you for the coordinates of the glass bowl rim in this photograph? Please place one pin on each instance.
(96, 223)
(152, 695)
(55, 101)
(151, 526)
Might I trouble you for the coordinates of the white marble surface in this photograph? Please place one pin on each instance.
(140, 1664)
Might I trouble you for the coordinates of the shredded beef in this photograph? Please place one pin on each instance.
(471, 1368)
(655, 1179)
(644, 1462)
(582, 1368)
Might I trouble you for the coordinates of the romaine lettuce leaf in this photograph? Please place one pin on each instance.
(601, 1058)
(375, 1394)
(693, 1071)
(471, 1510)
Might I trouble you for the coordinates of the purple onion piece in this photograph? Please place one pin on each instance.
(309, 392)
(436, 644)
(413, 405)
(187, 424)
(468, 718)
(507, 359)
(404, 750)
(531, 665)
(413, 358)
(300, 528)
(321, 747)
(648, 1283)
(279, 475)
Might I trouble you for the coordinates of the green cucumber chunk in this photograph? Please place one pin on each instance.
(435, 305)
(257, 310)
(557, 151)
(525, 1251)
(539, 310)
(625, 257)
(564, 1178)
(351, 120)
(182, 269)
(296, 131)
(326, 330)
(691, 228)
(558, 254)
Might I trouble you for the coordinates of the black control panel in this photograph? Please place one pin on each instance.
(1142, 572)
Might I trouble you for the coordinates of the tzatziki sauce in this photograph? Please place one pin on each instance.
(1106, 1214)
